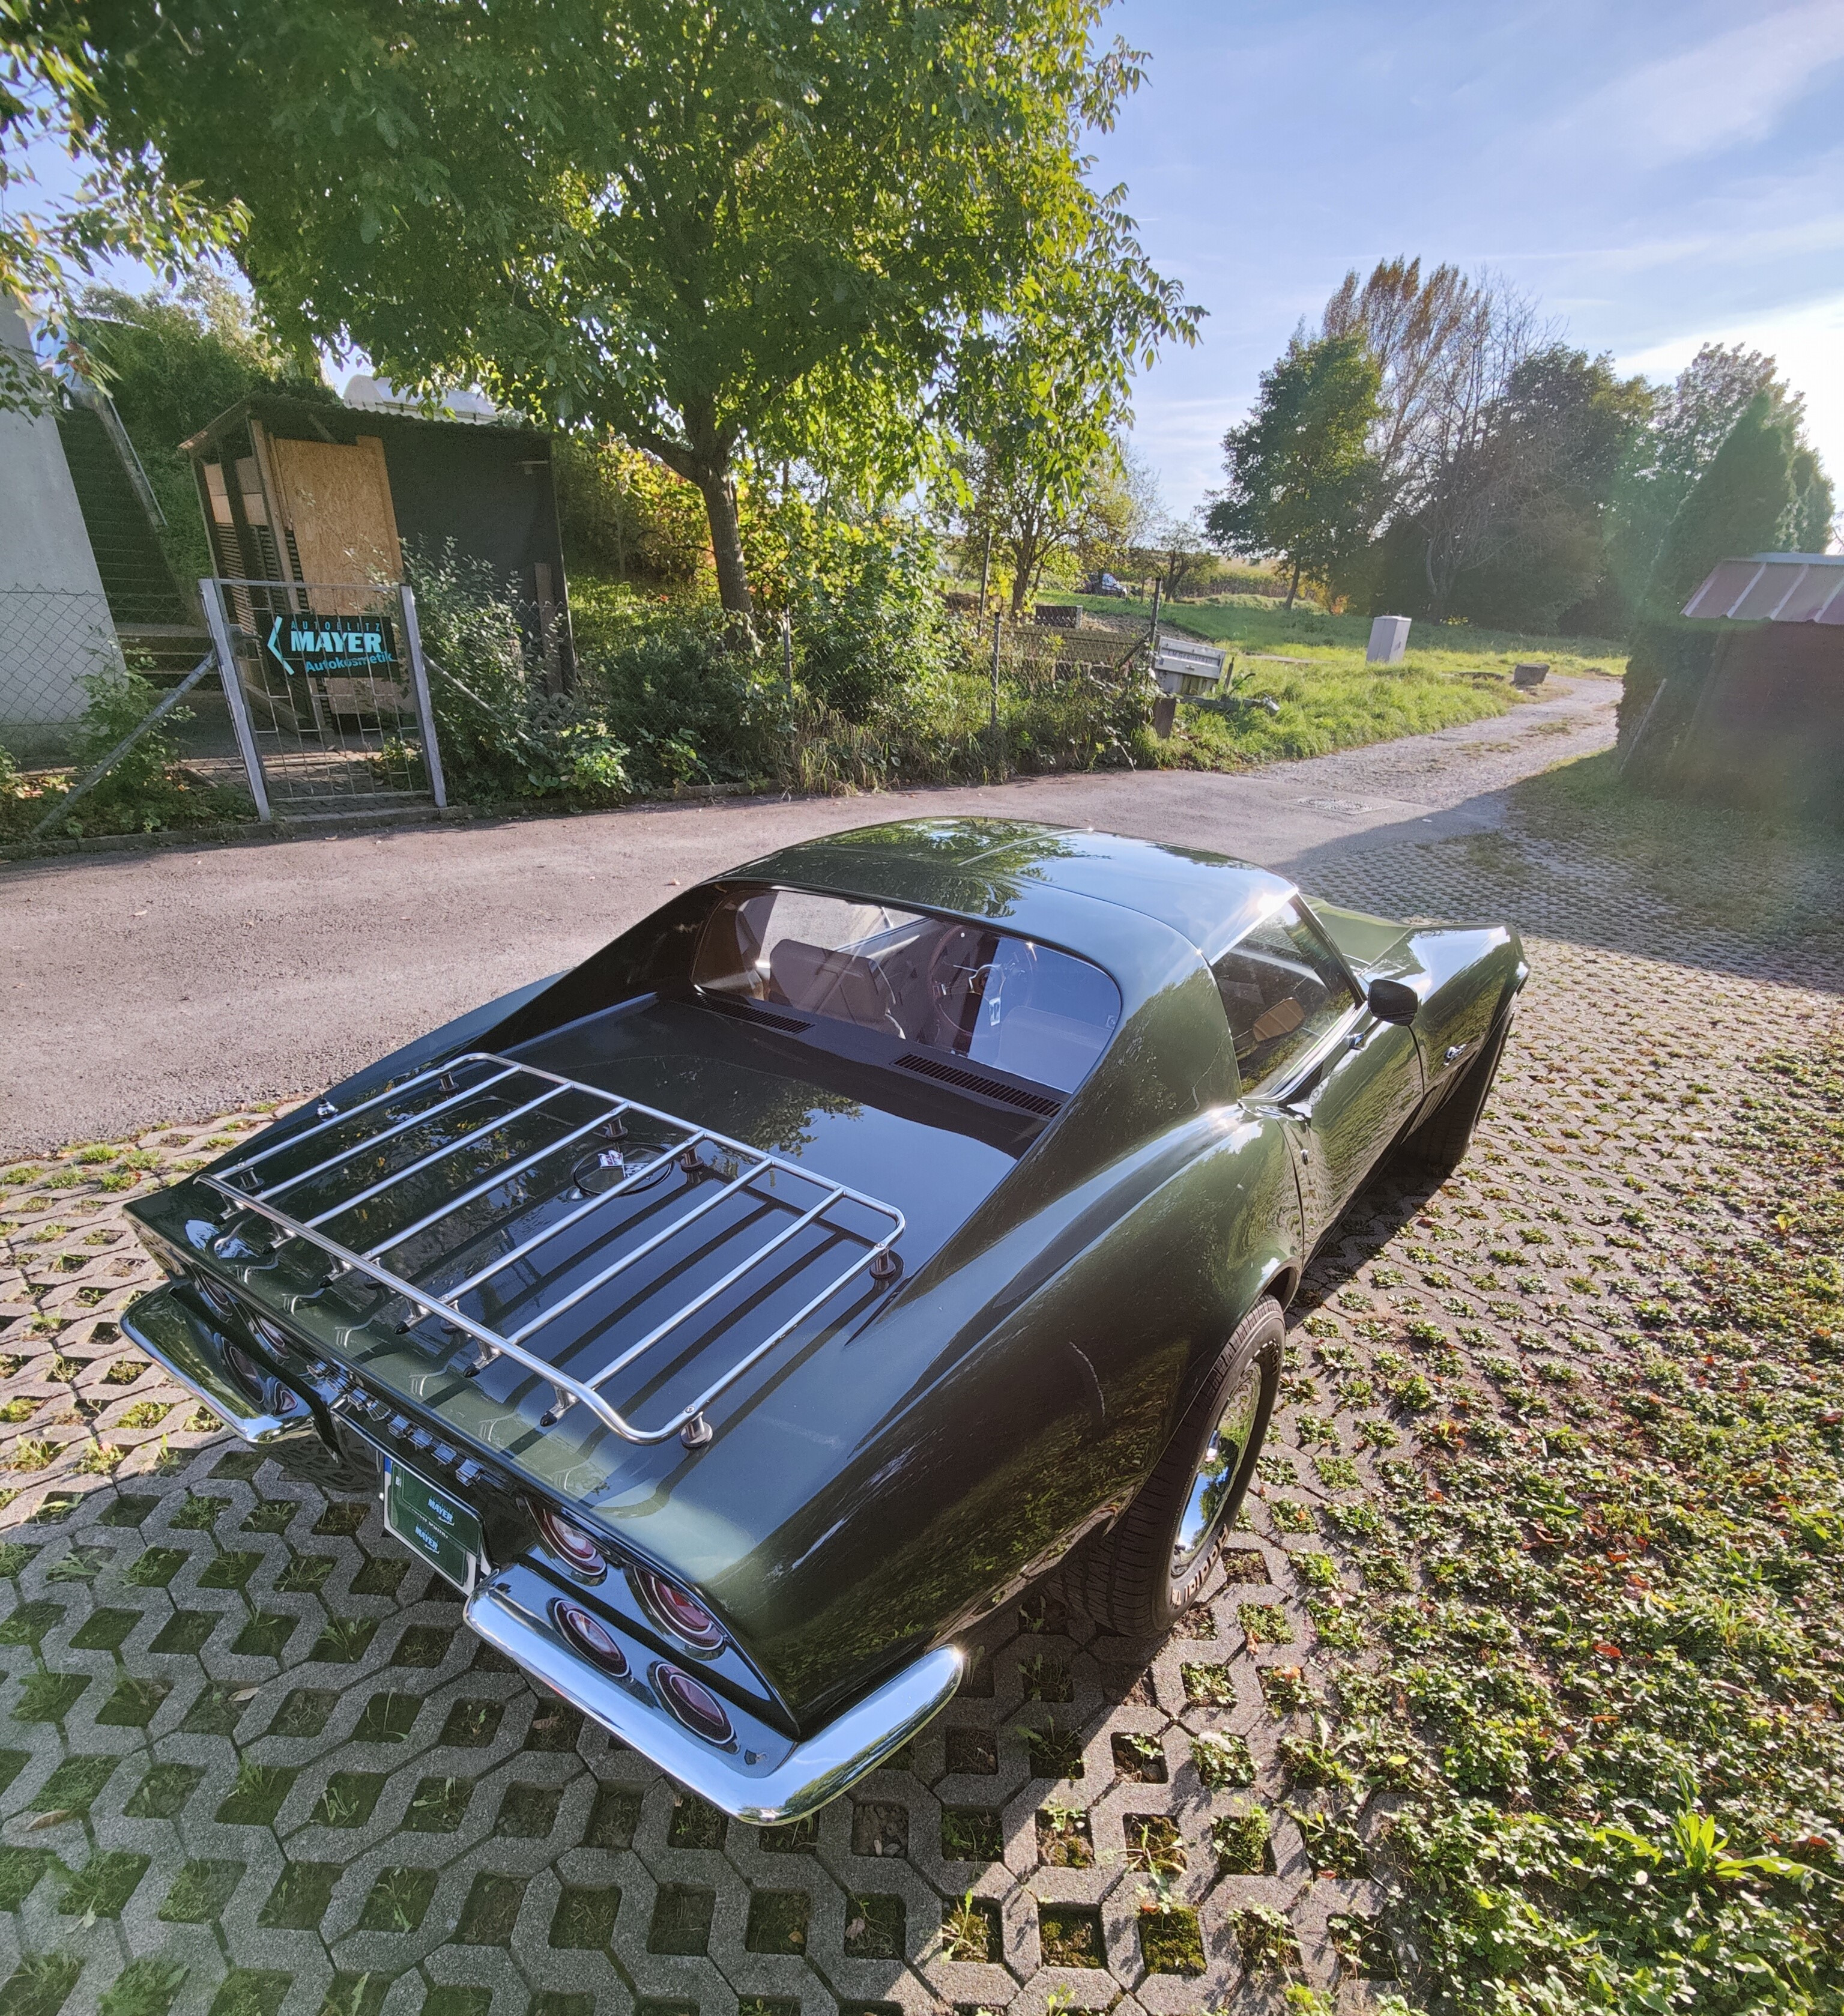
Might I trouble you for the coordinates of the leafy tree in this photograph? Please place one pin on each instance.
(1809, 528)
(123, 204)
(1302, 483)
(1740, 504)
(751, 221)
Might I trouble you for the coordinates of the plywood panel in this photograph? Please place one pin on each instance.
(336, 502)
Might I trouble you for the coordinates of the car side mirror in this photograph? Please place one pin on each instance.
(1391, 1001)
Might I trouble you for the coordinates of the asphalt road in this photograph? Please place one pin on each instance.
(140, 988)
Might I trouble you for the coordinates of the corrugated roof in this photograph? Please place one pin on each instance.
(1774, 587)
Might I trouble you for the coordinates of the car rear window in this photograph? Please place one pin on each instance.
(958, 989)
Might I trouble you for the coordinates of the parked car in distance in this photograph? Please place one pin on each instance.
(1104, 584)
(738, 1318)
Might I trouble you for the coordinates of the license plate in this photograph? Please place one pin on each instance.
(433, 1525)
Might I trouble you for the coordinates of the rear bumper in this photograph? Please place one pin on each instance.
(776, 1781)
(763, 1776)
(190, 1353)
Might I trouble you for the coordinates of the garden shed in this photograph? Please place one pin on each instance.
(1752, 710)
(295, 491)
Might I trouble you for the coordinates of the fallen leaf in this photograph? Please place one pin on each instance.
(55, 1818)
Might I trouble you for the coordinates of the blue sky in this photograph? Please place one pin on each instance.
(1655, 172)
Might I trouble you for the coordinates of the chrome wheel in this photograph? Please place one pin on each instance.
(1207, 1500)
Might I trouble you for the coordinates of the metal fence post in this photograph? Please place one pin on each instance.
(998, 618)
(787, 661)
(425, 713)
(218, 623)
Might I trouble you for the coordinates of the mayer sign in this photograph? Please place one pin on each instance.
(321, 645)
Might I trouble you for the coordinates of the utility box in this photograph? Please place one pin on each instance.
(1389, 640)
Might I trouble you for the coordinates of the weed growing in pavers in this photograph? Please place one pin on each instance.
(239, 1466)
(134, 1702)
(472, 1725)
(879, 1828)
(584, 1918)
(196, 1514)
(1153, 1843)
(387, 1718)
(14, 1555)
(1361, 1945)
(156, 1567)
(1044, 1678)
(216, 1711)
(256, 1797)
(491, 1910)
(973, 1932)
(423, 1645)
(777, 1921)
(305, 1711)
(695, 1823)
(1055, 1752)
(349, 1798)
(973, 1751)
(41, 1985)
(1197, 1622)
(1043, 1613)
(1266, 1623)
(300, 1896)
(556, 1726)
(528, 1812)
(105, 1630)
(1063, 1837)
(762, 2005)
(617, 1813)
(161, 1795)
(74, 1786)
(1140, 1757)
(200, 1891)
(21, 1869)
(1264, 1938)
(970, 1835)
(1208, 1685)
(344, 1517)
(874, 1927)
(12, 1763)
(381, 1575)
(145, 1987)
(1171, 1941)
(29, 1623)
(305, 1574)
(1339, 1625)
(1241, 1564)
(345, 1640)
(439, 1805)
(1333, 1845)
(49, 1697)
(1286, 1690)
(681, 1919)
(1240, 1841)
(800, 1837)
(250, 1991)
(398, 1900)
(1070, 1935)
(1289, 1515)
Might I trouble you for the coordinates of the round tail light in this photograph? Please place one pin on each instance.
(590, 1636)
(685, 1618)
(568, 1540)
(693, 1703)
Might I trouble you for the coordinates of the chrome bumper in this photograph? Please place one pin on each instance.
(182, 1347)
(763, 1777)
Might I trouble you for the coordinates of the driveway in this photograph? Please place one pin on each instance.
(172, 985)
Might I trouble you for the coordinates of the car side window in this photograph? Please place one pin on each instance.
(1282, 990)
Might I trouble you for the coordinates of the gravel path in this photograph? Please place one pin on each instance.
(177, 984)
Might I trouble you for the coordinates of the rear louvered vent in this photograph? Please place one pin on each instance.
(1009, 1095)
(752, 1011)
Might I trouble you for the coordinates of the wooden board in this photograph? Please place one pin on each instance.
(336, 502)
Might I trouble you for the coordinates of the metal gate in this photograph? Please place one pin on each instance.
(328, 695)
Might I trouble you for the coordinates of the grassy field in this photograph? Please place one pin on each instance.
(1312, 665)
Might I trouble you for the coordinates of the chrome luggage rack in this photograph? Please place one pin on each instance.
(522, 1094)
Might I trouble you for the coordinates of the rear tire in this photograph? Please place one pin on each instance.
(1438, 1147)
(1142, 1575)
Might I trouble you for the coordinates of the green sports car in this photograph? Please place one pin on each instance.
(738, 1318)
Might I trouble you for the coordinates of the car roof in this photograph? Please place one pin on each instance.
(993, 868)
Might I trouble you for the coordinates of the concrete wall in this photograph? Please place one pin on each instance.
(55, 626)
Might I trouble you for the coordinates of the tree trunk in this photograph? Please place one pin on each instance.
(726, 543)
(1293, 586)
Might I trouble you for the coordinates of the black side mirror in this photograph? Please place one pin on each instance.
(1391, 1001)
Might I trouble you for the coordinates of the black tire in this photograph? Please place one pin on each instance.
(1438, 1147)
(1127, 1580)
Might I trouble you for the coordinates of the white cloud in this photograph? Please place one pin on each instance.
(1733, 88)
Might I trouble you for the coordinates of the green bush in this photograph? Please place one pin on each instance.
(870, 626)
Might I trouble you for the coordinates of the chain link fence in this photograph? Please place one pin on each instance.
(52, 641)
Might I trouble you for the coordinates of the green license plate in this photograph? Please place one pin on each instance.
(433, 1525)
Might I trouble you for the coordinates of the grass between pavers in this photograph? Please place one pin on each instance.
(1614, 1718)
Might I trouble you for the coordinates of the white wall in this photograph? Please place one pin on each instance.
(55, 626)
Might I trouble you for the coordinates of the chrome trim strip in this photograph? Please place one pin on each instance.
(811, 1773)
